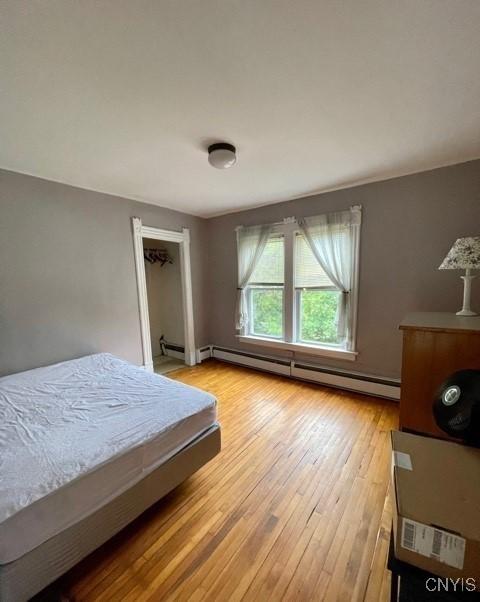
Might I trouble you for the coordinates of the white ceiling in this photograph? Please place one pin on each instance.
(124, 96)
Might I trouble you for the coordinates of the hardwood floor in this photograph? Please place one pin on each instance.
(290, 510)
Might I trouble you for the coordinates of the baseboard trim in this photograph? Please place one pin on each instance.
(341, 379)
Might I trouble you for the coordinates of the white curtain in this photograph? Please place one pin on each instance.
(251, 243)
(333, 240)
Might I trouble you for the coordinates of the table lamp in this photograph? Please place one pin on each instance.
(464, 255)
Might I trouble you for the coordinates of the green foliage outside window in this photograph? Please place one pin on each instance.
(318, 312)
(267, 312)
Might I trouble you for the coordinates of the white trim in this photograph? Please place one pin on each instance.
(339, 353)
(160, 234)
(341, 379)
(289, 325)
(142, 294)
(183, 238)
(190, 355)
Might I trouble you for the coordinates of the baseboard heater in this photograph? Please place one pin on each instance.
(204, 353)
(331, 377)
(177, 351)
(252, 360)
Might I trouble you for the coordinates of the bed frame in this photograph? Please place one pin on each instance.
(29, 574)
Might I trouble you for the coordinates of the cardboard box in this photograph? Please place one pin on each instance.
(436, 513)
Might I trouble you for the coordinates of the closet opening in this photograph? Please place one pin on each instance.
(164, 296)
(162, 259)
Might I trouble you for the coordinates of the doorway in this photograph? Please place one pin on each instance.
(164, 296)
(162, 260)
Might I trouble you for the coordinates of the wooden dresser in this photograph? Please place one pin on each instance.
(434, 346)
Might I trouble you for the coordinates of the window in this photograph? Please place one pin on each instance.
(266, 291)
(316, 298)
(290, 300)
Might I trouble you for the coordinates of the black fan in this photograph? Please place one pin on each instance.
(457, 406)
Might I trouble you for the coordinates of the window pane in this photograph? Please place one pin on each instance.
(317, 314)
(307, 269)
(267, 312)
(269, 269)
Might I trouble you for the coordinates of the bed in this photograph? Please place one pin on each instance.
(85, 447)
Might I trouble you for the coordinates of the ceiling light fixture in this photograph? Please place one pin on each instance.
(222, 155)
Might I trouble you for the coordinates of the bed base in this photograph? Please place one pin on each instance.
(26, 576)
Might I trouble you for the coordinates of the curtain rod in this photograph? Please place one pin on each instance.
(294, 220)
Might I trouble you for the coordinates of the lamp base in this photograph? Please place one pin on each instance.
(467, 285)
(466, 312)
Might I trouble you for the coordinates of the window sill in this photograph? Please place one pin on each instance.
(341, 354)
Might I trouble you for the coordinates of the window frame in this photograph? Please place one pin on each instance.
(291, 305)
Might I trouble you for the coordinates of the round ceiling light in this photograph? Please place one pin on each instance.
(222, 155)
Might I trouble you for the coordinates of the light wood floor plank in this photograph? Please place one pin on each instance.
(292, 509)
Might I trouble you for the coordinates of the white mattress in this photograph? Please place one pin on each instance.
(75, 435)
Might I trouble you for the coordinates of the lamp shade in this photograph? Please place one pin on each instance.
(464, 255)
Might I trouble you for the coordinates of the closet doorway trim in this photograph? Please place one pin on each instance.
(183, 238)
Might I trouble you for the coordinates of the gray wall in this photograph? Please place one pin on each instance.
(67, 272)
(409, 224)
(164, 291)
